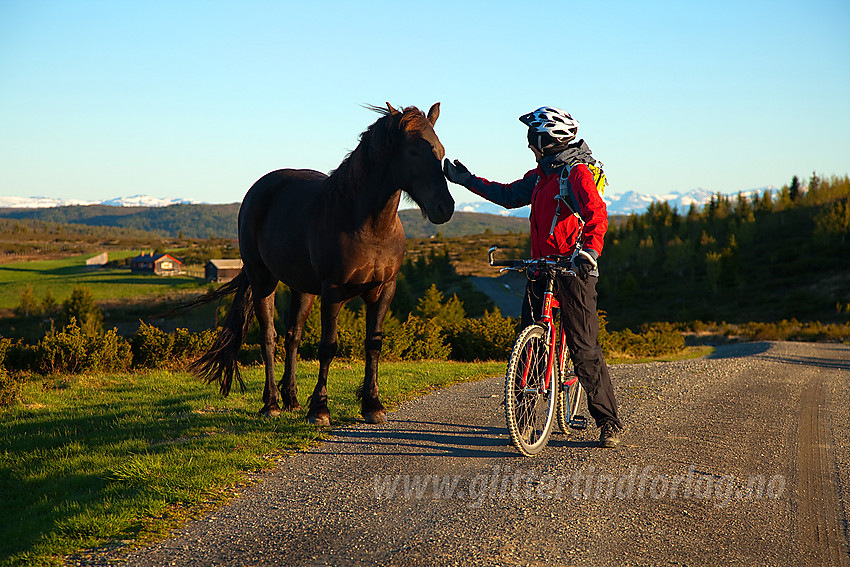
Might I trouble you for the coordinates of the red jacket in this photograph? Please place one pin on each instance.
(539, 189)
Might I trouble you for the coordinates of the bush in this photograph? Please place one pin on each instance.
(648, 344)
(490, 337)
(152, 347)
(192, 345)
(21, 357)
(416, 339)
(10, 389)
(71, 351)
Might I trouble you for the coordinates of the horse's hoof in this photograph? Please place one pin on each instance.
(319, 420)
(375, 418)
(292, 405)
(270, 412)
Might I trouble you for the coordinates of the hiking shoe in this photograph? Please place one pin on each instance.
(610, 435)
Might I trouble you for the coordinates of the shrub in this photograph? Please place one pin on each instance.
(10, 388)
(648, 343)
(108, 352)
(416, 339)
(490, 337)
(21, 357)
(72, 350)
(191, 345)
(152, 347)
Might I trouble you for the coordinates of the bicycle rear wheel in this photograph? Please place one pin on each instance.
(569, 400)
(529, 404)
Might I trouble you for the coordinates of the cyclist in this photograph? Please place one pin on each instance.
(557, 231)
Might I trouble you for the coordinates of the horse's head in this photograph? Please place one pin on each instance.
(418, 162)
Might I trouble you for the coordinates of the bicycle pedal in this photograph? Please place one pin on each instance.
(578, 422)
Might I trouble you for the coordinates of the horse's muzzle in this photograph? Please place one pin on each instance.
(441, 212)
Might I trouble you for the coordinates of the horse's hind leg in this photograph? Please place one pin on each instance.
(299, 309)
(371, 407)
(264, 310)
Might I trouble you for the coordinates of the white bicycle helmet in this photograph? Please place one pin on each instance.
(549, 127)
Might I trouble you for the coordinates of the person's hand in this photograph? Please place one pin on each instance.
(456, 172)
(584, 263)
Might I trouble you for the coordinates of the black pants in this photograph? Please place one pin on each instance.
(581, 324)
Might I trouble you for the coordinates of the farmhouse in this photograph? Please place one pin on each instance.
(222, 271)
(160, 264)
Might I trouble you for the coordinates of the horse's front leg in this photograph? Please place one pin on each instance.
(371, 407)
(299, 310)
(318, 414)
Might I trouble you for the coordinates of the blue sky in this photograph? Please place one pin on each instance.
(200, 99)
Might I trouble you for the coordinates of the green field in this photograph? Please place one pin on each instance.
(87, 460)
(60, 277)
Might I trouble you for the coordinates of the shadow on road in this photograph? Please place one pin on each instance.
(765, 351)
(741, 350)
(420, 438)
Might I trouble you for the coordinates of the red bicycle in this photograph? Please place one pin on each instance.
(539, 386)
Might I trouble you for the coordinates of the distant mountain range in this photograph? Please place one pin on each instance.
(131, 201)
(618, 204)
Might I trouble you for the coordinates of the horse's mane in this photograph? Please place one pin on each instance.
(375, 147)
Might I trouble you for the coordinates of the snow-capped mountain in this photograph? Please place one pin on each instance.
(621, 203)
(147, 201)
(131, 201)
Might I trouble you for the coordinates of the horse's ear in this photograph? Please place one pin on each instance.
(434, 113)
(393, 111)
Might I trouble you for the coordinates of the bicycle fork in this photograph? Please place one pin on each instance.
(546, 320)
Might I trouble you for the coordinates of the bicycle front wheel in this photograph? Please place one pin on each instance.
(529, 399)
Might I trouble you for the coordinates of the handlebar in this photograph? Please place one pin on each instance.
(493, 262)
(559, 264)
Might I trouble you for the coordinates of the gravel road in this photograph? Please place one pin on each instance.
(738, 458)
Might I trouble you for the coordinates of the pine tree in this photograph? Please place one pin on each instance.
(794, 188)
(432, 306)
(28, 304)
(81, 306)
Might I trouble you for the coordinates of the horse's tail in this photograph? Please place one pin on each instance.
(219, 363)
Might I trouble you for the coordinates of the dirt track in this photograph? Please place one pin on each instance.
(740, 458)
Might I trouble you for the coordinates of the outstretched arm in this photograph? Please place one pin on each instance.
(510, 195)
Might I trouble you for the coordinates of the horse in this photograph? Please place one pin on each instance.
(338, 236)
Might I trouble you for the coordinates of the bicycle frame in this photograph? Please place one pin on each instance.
(553, 341)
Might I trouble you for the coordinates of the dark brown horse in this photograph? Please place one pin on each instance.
(337, 236)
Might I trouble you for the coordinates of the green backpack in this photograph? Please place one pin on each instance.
(568, 197)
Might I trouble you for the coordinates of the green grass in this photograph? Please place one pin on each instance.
(60, 277)
(87, 460)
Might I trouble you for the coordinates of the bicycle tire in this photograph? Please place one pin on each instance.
(566, 412)
(530, 408)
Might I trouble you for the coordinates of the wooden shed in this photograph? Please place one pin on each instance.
(98, 261)
(160, 264)
(222, 271)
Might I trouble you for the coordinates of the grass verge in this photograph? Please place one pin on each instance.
(88, 460)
